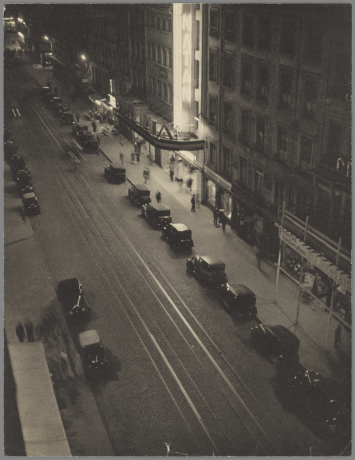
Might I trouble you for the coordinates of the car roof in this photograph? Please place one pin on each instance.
(89, 338)
(160, 207)
(142, 187)
(117, 166)
(283, 334)
(81, 125)
(240, 289)
(67, 112)
(180, 227)
(29, 195)
(210, 260)
(57, 98)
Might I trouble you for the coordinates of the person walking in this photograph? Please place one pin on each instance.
(94, 127)
(337, 337)
(138, 155)
(223, 222)
(122, 157)
(193, 202)
(215, 216)
(171, 174)
(20, 331)
(257, 255)
(158, 196)
(189, 183)
(77, 117)
(29, 331)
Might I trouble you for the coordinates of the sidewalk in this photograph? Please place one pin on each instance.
(316, 350)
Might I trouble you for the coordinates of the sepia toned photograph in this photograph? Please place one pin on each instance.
(177, 192)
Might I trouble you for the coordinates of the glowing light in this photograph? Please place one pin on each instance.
(45, 37)
(83, 57)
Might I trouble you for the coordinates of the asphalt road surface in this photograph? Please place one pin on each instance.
(183, 374)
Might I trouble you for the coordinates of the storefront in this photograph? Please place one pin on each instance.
(318, 277)
(218, 193)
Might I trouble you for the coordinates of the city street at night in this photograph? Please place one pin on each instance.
(176, 370)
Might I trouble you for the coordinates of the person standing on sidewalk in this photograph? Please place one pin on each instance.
(122, 157)
(158, 196)
(20, 331)
(215, 216)
(77, 117)
(171, 174)
(193, 202)
(29, 331)
(223, 222)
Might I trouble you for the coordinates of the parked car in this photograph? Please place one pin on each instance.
(46, 93)
(10, 150)
(319, 400)
(68, 118)
(91, 142)
(93, 352)
(27, 189)
(80, 130)
(30, 204)
(158, 215)
(179, 236)
(139, 194)
(56, 102)
(17, 163)
(7, 135)
(207, 269)
(239, 300)
(277, 341)
(61, 108)
(23, 179)
(115, 173)
(71, 295)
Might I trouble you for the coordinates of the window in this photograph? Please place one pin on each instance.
(151, 21)
(263, 82)
(159, 54)
(285, 88)
(213, 66)
(313, 42)
(165, 57)
(214, 22)
(265, 33)
(334, 144)
(154, 86)
(260, 134)
(227, 118)
(227, 75)
(154, 52)
(306, 145)
(258, 181)
(212, 112)
(245, 126)
(243, 171)
(165, 91)
(169, 25)
(160, 92)
(246, 77)
(226, 160)
(170, 55)
(310, 91)
(230, 25)
(282, 141)
(212, 153)
(288, 37)
(248, 30)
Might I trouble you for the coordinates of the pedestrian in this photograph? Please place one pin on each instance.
(138, 156)
(223, 222)
(258, 255)
(122, 157)
(179, 181)
(171, 174)
(133, 157)
(29, 331)
(94, 127)
(77, 117)
(55, 91)
(337, 337)
(158, 196)
(189, 183)
(20, 331)
(193, 202)
(145, 175)
(215, 216)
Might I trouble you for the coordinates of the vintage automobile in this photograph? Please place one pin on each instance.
(23, 179)
(158, 215)
(277, 341)
(93, 352)
(115, 173)
(56, 102)
(80, 130)
(27, 189)
(61, 108)
(139, 194)
(7, 135)
(207, 269)
(30, 204)
(238, 300)
(178, 236)
(91, 142)
(71, 295)
(10, 150)
(17, 163)
(46, 93)
(68, 118)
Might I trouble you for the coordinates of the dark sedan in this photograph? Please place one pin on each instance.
(276, 340)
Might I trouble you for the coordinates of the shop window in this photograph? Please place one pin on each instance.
(213, 65)
(243, 171)
(226, 160)
(213, 111)
(227, 117)
(214, 22)
(227, 76)
(282, 143)
(213, 153)
(246, 74)
(310, 91)
(288, 37)
(263, 82)
(245, 126)
(258, 181)
(260, 134)
(306, 146)
(313, 42)
(265, 32)
(230, 25)
(285, 88)
(333, 152)
(248, 30)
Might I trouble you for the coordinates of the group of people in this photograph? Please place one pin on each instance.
(24, 331)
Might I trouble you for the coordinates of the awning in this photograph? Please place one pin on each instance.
(96, 98)
(165, 144)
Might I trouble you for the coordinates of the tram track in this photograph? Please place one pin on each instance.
(172, 304)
